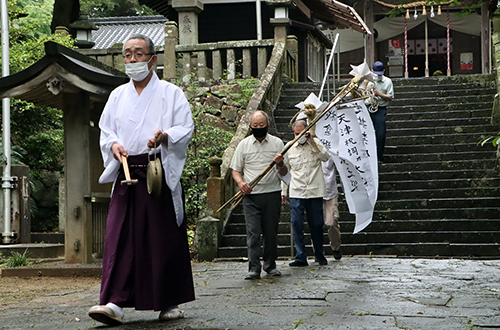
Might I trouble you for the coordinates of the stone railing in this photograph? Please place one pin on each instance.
(206, 62)
(281, 66)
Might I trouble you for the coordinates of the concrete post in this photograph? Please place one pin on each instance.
(485, 39)
(188, 20)
(495, 115)
(292, 44)
(78, 235)
(370, 40)
(281, 20)
(214, 187)
(207, 238)
(171, 40)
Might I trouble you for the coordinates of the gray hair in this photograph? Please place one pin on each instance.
(302, 122)
(149, 42)
(263, 113)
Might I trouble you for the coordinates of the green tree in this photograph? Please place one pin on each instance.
(115, 8)
(36, 132)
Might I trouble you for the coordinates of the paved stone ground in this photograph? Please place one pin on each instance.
(354, 293)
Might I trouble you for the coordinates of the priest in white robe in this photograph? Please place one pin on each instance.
(146, 262)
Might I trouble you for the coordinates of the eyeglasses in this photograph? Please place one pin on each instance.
(138, 56)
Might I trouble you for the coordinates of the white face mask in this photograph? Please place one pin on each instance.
(137, 71)
(302, 140)
(378, 78)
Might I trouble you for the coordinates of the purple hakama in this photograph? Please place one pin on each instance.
(146, 261)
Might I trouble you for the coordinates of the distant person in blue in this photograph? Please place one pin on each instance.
(384, 93)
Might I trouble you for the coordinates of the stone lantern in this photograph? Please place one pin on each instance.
(82, 28)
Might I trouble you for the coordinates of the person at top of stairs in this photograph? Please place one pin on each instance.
(262, 203)
(384, 93)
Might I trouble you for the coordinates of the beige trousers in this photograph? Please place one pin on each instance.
(331, 215)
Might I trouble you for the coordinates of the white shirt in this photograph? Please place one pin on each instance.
(131, 119)
(252, 157)
(305, 168)
(384, 87)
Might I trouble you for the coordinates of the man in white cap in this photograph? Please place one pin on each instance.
(384, 92)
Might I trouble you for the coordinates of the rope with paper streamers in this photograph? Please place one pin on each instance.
(346, 90)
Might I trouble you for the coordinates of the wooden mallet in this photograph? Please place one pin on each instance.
(127, 181)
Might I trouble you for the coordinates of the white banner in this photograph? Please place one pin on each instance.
(347, 131)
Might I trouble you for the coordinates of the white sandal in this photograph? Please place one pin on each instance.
(171, 314)
(105, 315)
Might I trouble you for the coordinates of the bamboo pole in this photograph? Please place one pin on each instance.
(354, 83)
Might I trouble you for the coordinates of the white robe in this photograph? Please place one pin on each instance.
(131, 119)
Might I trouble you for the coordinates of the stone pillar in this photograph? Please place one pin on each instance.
(62, 202)
(209, 228)
(214, 187)
(370, 39)
(188, 20)
(207, 238)
(281, 20)
(495, 115)
(171, 40)
(78, 235)
(292, 44)
(485, 39)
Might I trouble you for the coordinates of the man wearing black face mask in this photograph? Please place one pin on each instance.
(262, 204)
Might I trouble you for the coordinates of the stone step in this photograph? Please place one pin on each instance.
(435, 139)
(444, 102)
(443, 130)
(431, 167)
(471, 146)
(401, 93)
(397, 249)
(389, 176)
(436, 184)
(391, 226)
(485, 114)
(426, 213)
(451, 106)
(287, 109)
(385, 237)
(439, 192)
(434, 157)
(430, 225)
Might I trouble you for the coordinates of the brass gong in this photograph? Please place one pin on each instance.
(154, 176)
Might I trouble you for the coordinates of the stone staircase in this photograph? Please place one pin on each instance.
(439, 194)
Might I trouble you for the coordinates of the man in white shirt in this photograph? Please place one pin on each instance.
(146, 262)
(384, 92)
(307, 189)
(262, 204)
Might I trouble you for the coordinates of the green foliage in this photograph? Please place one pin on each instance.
(36, 132)
(26, 52)
(495, 140)
(35, 24)
(16, 260)
(113, 8)
(207, 141)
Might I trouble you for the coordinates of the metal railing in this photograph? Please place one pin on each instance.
(331, 63)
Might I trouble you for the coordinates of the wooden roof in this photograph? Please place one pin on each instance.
(327, 10)
(60, 71)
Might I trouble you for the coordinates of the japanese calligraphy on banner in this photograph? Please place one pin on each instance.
(347, 131)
